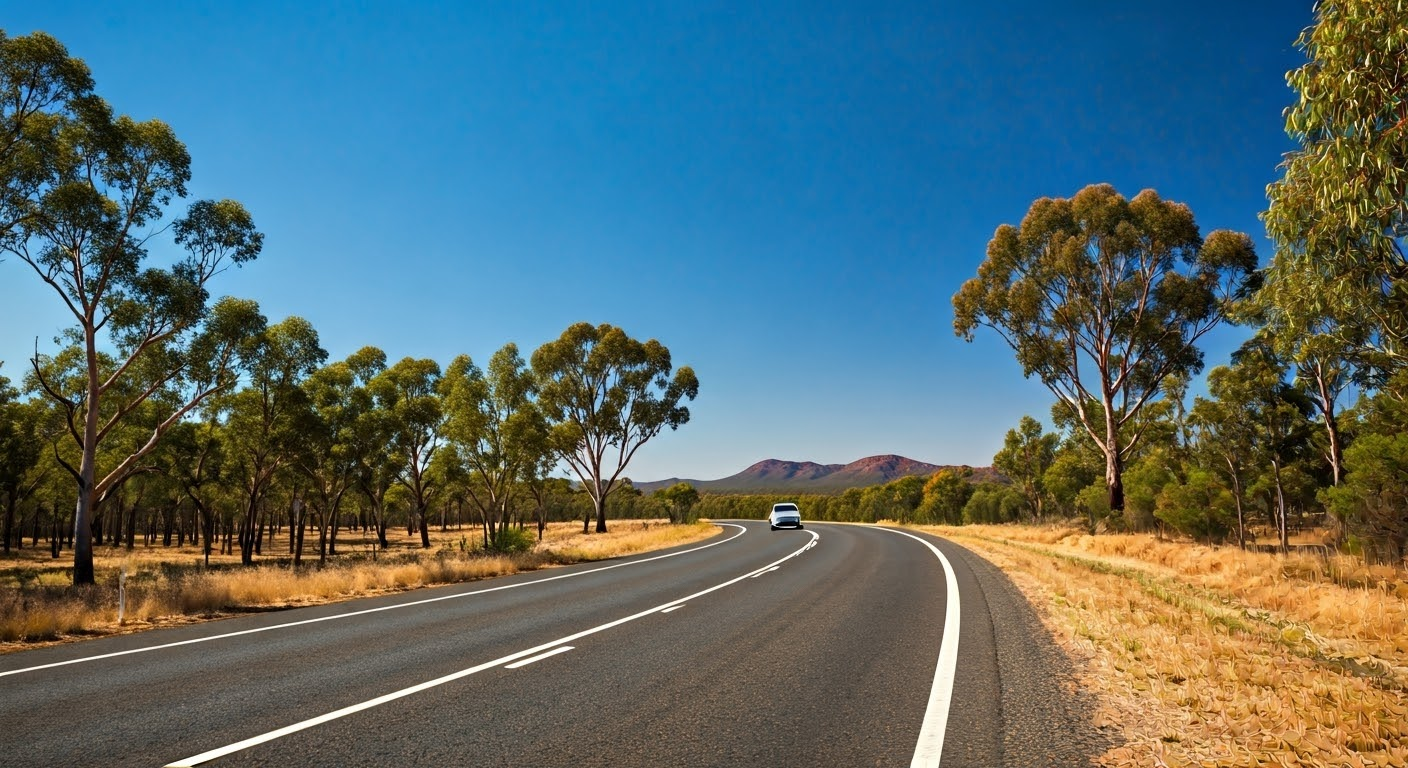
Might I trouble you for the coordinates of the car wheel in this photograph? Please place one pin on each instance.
(770, 525)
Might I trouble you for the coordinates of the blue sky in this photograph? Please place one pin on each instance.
(786, 196)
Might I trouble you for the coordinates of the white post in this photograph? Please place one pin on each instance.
(121, 595)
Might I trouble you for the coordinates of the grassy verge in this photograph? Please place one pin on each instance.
(1216, 657)
(169, 585)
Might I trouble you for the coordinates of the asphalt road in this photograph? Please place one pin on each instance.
(820, 647)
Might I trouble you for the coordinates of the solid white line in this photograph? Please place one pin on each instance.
(378, 701)
(770, 570)
(931, 735)
(351, 614)
(672, 608)
(539, 657)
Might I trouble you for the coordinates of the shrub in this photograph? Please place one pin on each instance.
(509, 539)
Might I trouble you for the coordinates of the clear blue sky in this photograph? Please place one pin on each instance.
(787, 196)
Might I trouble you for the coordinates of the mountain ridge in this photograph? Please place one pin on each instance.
(784, 476)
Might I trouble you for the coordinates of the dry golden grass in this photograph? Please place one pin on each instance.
(168, 585)
(1216, 657)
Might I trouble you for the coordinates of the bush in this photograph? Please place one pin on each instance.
(509, 539)
(1200, 508)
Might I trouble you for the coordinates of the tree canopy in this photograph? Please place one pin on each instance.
(608, 394)
(1104, 298)
(1339, 213)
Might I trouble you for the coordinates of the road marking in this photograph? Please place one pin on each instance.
(770, 570)
(931, 735)
(366, 611)
(539, 657)
(672, 608)
(394, 695)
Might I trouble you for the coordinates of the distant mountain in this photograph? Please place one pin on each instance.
(775, 476)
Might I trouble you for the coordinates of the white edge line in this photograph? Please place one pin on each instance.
(539, 657)
(394, 695)
(363, 612)
(770, 570)
(930, 745)
(673, 608)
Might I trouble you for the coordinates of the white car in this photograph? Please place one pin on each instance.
(785, 515)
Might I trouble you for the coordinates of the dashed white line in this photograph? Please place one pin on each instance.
(539, 657)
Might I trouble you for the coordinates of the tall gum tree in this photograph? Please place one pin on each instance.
(606, 395)
(496, 427)
(409, 393)
(266, 421)
(85, 234)
(1103, 299)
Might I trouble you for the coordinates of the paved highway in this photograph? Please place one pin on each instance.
(837, 645)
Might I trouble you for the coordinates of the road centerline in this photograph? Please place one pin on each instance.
(539, 657)
(240, 746)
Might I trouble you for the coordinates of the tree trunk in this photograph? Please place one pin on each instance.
(600, 514)
(1114, 480)
(9, 518)
(1237, 499)
(1280, 508)
(424, 524)
(1114, 462)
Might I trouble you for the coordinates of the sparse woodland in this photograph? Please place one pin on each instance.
(168, 415)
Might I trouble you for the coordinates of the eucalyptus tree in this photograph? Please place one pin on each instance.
(198, 469)
(946, 492)
(679, 500)
(1374, 495)
(408, 392)
(1026, 454)
(1225, 441)
(266, 420)
(1263, 414)
(333, 444)
(496, 428)
(607, 394)
(1103, 299)
(86, 191)
(1339, 213)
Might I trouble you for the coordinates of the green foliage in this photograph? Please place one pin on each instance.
(1103, 299)
(1025, 457)
(946, 493)
(495, 427)
(81, 191)
(1373, 501)
(1339, 213)
(993, 503)
(1144, 482)
(607, 394)
(1200, 507)
(680, 500)
(511, 539)
(1093, 502)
